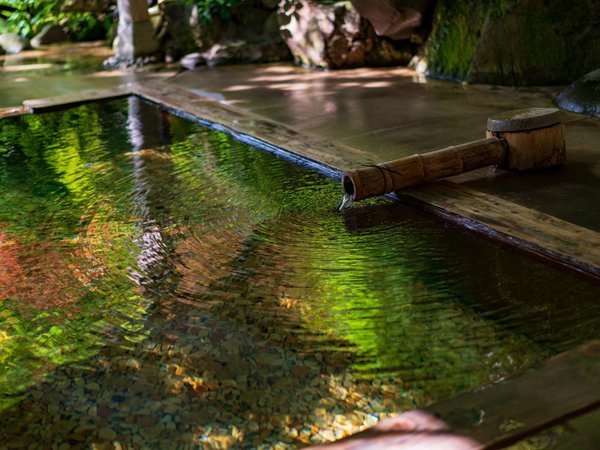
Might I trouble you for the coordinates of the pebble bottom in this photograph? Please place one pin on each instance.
(233, 393)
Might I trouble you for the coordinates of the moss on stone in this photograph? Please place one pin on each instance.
(539, 43)
(456, 31)
(515, 42)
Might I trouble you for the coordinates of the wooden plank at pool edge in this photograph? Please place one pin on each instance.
(12, 111)
(532, 231)
(75, 98)
(306, 145)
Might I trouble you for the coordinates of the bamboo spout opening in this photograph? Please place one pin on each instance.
(348, 184)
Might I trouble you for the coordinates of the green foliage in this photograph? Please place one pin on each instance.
(208, 10)
(28, 17)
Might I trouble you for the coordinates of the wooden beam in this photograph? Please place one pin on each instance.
(75, 98)
(528, 230)
(242, 123)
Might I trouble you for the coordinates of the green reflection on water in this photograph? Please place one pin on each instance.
(127, 234)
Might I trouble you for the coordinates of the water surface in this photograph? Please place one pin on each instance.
(165, 286)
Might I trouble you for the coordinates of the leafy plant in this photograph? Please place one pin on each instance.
(28, 17)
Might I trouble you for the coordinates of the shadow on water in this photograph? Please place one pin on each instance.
(170, 287)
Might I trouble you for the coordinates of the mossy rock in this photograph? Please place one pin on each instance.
(526, 42)
(457, 27)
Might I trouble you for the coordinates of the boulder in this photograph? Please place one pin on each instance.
(193, 60)
(250, 34)
(13, 43)
(50, 34)
(235, 52)
(336, 36)
(583, 96)
(529, 42)
(388, 20)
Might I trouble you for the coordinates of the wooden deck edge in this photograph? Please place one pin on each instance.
(563, 387)
(250, 127)
(546, 237)
(12, 111)
(74, 99)
(543, 236)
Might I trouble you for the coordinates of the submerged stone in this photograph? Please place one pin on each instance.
(583, 96)
(107, 434)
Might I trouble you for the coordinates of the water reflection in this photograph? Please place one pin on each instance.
(166, 286)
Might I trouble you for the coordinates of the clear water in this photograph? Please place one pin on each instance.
(345, 202)
(164, 286)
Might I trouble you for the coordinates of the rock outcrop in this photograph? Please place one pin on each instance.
(336, 36)
(583, 96)
(397, 20)
(235, 52)
(527, 42)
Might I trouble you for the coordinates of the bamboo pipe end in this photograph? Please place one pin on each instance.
(348, 183)
(368, 181)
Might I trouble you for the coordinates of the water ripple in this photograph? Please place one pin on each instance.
(160, 276)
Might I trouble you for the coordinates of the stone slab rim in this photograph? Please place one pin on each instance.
(524, 119)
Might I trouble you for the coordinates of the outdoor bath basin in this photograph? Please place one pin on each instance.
(166, 286)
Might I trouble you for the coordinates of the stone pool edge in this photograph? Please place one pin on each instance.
(540, 235)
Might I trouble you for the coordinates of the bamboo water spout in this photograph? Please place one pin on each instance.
(519, 140)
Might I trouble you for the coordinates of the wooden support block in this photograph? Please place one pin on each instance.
(535, 138)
